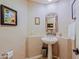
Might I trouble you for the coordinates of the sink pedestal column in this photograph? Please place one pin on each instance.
(50, 51)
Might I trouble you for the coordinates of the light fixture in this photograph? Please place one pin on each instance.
(49, 0)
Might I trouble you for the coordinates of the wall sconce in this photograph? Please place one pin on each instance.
(37, 20)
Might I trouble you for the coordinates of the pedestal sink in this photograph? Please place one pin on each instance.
(49, 40)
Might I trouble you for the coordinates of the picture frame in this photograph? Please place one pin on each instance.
(8, 16)
(37, 20)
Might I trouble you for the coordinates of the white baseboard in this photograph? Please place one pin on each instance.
(35, 57)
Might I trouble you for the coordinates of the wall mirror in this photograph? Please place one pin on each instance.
(51, 22)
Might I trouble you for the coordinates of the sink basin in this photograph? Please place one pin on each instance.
(49, 40)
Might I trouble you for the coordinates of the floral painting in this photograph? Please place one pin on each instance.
(8, 16)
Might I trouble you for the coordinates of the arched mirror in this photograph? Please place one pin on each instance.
(51, 22)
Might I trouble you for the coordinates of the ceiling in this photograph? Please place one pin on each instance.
(44, 1)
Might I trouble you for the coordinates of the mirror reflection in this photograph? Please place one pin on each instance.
(51, 23)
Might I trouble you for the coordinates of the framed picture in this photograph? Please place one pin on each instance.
(37, 20)
(8, 16)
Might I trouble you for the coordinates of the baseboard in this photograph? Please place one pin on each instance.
(35, 57)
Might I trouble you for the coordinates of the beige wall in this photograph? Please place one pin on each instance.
(13, 37)
(65, 46)
(34, 46)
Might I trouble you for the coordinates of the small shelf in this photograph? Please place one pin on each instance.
(50, 25)
(50, 28)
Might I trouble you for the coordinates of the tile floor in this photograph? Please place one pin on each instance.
(46, 58)
(52, 58)
(43, 58)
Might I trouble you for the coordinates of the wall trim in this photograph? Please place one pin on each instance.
(36, 35)
(35, 57)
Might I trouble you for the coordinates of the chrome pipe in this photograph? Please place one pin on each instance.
(73, 9)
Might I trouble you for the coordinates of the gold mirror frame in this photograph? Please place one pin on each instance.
(51, 29)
